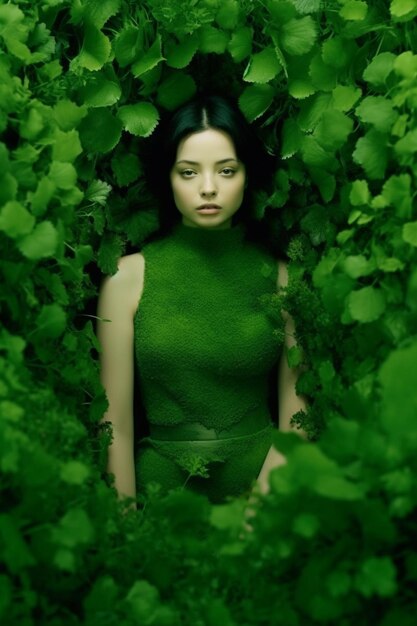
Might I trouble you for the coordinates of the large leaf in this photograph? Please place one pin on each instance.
(255, 100)
(228, 14)
(51, 321)
(139, 119)
(366, 304)
(372, 153)
(333, 129)
(378, 111)
(298, 35)
(67, 146)
(128, 44)
(379, 69)
(354, 10)
(100, 91)
(100, 131)
(96, 49)
(149, 59)
(212, 40)
(15, 220)
(175, 90)
(262, 67)
(240, 44)
(41, 243)
(179, 55)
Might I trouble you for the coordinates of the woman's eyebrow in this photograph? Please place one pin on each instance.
(217, 162)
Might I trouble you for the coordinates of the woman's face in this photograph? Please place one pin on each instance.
(207, 180)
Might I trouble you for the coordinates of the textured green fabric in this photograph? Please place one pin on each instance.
(204, 347)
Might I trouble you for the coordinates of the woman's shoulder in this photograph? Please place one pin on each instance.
(126, 283)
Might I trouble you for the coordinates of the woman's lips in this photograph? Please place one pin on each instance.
(209, 209)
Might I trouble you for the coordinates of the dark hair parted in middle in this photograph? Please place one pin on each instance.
(199, 114)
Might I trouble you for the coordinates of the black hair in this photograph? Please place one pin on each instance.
(201, 113)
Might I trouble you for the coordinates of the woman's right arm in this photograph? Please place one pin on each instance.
(118, 299)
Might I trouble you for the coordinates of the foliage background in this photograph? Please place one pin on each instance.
(332, 89)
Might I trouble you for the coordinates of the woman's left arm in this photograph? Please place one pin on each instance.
(289, 402)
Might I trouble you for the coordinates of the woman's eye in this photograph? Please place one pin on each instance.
(228, 171)
(187, 173)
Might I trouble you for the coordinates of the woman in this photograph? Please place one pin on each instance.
(188, 310)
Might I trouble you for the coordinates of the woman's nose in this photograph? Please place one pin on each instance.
(208, 186)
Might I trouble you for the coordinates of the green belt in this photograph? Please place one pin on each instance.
(251, 423)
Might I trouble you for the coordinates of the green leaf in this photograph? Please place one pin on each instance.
(175, 90)
(109, 252)
(325, 182)
(291, 138)
(300, 85)
(228, 14)
(100, 131)
(240, 44)
(356, 266)
(377, 576)
(68, 115)
(126, 168)
(139, 119)
(98, 191)
(15, 552)
(354, 10)
(335, 52)
(255, 100)
(333, 129)
(405, 64)
(96, 49)
(379, 69)
(344, 97)
(366, 304)
(51, 321)
(407, 145)
(228, 516)
(180, 55)
(74, 472)
(307, 6)
(298, 35)
(8, 188)
(74, 528)
(149, 59)
(100, 92)
(63, 175)
(397, 193)
(316, 156)
(409, 233)
(262, 67)
(359, 193)
(15, 220)
(127, 45)
(306, 525)
(41, 243)
(372, 153)
(98, 12)
(378, 111)
(294, 356)
(67, 145)
(42, 196)
(403, 8)
(323, 76)
(212, 40)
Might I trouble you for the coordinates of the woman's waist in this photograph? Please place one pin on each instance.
(250, 423)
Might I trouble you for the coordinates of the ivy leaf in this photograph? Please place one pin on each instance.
(51, 322)
(372, 153)
(100, 131)
(240, 44)
(100, 92)
(298, 35)
(409, 233)
(212, 40)
(41, 243)
(15, 220)
(255, 100)
(149, 59)
(180, 55)
(127, 45)
(139, 119)
(354, 10)
(378, 111)
(378, 70)
(175, 90)
(96, 49)
(366, 304)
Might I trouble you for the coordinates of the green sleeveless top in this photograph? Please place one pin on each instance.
(204, 348)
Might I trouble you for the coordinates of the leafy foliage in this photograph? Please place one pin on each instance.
(332, 90)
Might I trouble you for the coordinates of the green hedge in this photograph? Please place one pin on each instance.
(332, 89)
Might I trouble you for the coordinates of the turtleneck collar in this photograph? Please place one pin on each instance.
(209, 238)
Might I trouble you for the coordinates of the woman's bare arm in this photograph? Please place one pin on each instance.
(289, 402)
(118, 300)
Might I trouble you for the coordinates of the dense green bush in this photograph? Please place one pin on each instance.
(332, 88)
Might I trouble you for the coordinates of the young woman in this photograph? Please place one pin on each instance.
(187, 312)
